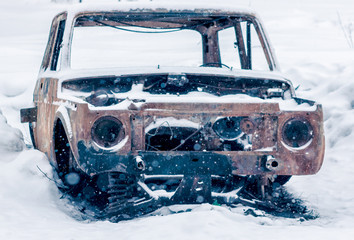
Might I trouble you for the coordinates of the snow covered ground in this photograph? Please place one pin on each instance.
(312, 50)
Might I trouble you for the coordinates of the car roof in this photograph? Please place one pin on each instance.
(141, 7)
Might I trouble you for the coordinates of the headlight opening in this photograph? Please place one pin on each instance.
(228, 128)
(297, 132)
(107, 131)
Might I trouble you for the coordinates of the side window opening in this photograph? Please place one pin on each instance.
(259, 60)
(57, 46)
(48, 50)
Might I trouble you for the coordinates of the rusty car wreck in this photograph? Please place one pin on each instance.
(140, 137)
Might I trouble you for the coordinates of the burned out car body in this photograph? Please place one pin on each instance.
(192, 124)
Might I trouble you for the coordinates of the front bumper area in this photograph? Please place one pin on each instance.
(269, 155)
(220, 163)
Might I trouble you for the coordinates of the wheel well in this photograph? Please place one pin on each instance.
(62, 149)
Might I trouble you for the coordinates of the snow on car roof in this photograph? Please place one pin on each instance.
(159, 7)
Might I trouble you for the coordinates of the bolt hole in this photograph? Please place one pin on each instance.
(274, 164)
(195, 160)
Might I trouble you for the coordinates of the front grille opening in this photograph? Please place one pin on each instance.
(173, 139)
(192, 139)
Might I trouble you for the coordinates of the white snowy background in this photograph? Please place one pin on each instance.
(314, 45)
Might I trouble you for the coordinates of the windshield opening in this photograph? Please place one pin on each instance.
(104, 41)
(100, 47)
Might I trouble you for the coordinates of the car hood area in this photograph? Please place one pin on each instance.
(120, 88)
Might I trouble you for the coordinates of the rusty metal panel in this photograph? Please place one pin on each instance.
(28, 115)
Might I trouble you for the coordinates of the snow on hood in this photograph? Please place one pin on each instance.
(137, 93)
(195, 97)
